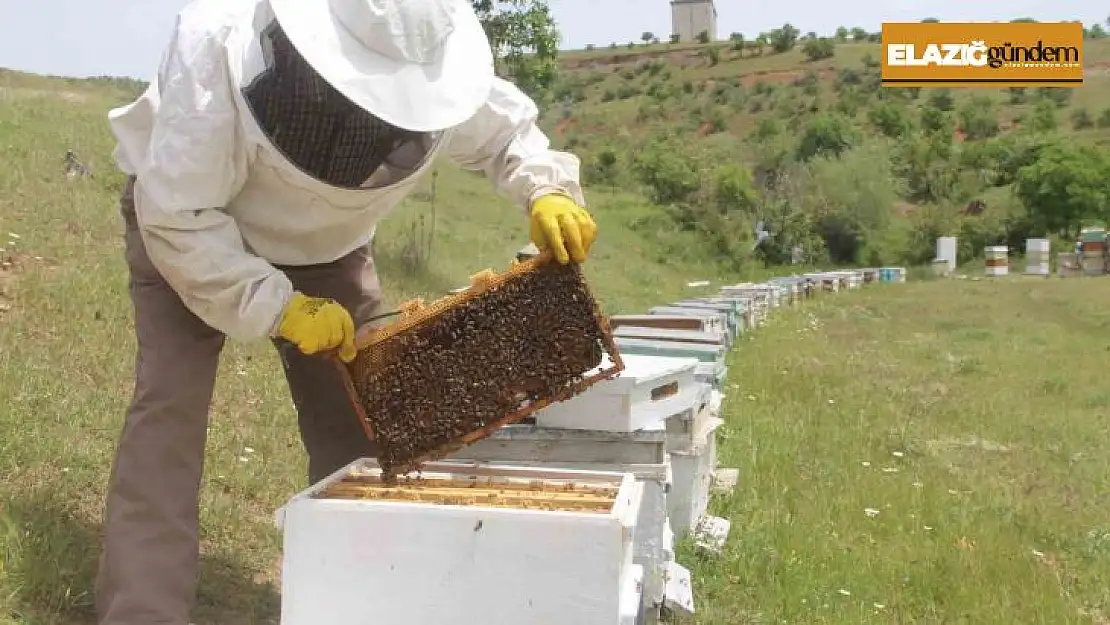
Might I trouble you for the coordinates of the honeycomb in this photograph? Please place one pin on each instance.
(487, 493)
(449, 374)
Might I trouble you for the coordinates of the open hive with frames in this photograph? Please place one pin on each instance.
(450, 373)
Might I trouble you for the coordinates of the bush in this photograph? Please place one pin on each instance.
(934, 119)
(1042, 118)
(817, 49)
(1081, 119)
(714, 55)
(852, 198)
(891, 120)
(1060, 96)
(603, 169)
(734, 190)
(668, 176)
(942, 99)
(978, 118)
(826, 135)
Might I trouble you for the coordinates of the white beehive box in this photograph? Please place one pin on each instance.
(665, 334)
(362, 561)
(692, 472)
(653, 542)
(671, 322)
(567, 448)
(645, 393)
(684, 428)
(712, 373)
(720, 317)
(674, 349)
(748, 306)
(828, 281)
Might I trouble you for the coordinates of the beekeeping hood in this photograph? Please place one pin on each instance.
(342, 87)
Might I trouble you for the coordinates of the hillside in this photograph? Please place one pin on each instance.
(725, 135)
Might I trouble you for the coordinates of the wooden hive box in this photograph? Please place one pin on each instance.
(450, 373)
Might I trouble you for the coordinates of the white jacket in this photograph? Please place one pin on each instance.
(216, 204)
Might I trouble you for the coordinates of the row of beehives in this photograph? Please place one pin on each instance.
(1090, 257)
(568, 517)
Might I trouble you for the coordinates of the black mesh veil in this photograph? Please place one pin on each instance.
(320, 130)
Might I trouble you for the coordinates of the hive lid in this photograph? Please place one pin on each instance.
(692, 336)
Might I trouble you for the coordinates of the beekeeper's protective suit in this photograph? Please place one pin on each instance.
(275, 136)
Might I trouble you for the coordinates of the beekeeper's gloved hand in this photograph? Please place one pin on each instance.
(559, 224)
(316, 324)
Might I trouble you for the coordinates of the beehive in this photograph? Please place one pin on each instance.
(448, 374)
(650, 389)
(666, 334)
(462, 544)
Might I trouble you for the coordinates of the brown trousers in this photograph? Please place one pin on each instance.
(149, 564)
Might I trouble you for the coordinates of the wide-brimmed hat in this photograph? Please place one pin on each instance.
(421, 65)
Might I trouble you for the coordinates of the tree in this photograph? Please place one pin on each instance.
(1096, 31)
(703, 36)
(647, 37)
(524, 39)
(761, 42)
(784, 39)
(1066, 184)
(842, 34)
(859, 35)
(930, 20)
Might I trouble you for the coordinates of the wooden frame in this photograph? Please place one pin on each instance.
(415, 313)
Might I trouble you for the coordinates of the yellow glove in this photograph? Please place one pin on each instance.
(316, 324)
(561, 225)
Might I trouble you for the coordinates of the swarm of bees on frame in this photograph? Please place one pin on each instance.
(527, 339)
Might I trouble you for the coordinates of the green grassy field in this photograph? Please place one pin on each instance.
(921, 453)
(991, 393)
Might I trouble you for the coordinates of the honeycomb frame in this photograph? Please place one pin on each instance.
(414, 314)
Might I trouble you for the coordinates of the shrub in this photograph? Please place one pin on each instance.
(891, 120)
(826, 135)
(1081, 119)
(817, 49)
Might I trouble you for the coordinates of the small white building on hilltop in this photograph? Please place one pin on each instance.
(689, 18)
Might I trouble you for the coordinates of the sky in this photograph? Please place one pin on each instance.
(126, 37)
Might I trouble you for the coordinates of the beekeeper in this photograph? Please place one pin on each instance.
(274, 137)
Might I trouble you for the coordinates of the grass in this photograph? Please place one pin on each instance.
(923, 453)
(917, 369)
(67, 352)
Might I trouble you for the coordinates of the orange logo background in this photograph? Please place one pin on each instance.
(1041, 54)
